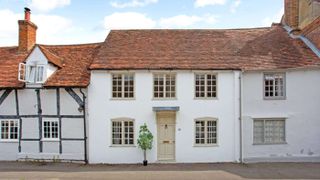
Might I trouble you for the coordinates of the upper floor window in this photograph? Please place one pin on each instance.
(274, 86)
(164, 85)
(205, 86)
(9, 130)
(206, 131)
(268, 131)
(31, 73)
(122, 132)
(123, 86)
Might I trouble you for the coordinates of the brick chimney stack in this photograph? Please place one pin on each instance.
(27, 32)
(291, 13)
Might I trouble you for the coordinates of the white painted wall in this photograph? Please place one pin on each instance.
(36, 57)
(301, 108)
(102, 109)
(71, 128)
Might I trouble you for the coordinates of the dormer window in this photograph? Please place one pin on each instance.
(31, 73)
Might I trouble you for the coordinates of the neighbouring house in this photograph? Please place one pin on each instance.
(238, 95)
(43, 98)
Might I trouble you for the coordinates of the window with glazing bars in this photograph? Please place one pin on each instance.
(122, 132)
(274, 86)
(205, 86)
(205, 132)
(268, 131)
(9, 129)
(164, 85)
(50, 129)
(122, 86)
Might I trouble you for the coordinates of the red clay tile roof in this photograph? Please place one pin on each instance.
(75, 64)
(9, 63)
(51, 57)
(73, 59)
(246, 49)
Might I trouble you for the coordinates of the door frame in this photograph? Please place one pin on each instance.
(172, 115)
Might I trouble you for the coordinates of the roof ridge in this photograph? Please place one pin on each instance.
(236, 29)
(66, 45)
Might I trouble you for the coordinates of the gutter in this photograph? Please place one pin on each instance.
(302, 38)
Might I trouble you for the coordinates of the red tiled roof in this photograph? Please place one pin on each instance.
(51, 57)
(9, 64)
(73, 60)
(75, 64)
(246, 49)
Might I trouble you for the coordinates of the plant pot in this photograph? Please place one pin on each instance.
(145, 162)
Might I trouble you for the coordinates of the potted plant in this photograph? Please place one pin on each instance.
(145, 141)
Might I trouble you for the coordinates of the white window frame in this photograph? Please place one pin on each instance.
(206, 120)
(22, 72)
(25, 68)
(264, 137)
(122, 120)
(283, 97)
(123, 86)
(205, 85)
(50, 130)
(9, 131)
(164, 74)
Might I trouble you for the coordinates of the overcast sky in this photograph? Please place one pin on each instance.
(85, 21)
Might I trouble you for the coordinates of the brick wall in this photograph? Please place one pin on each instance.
(312, 32)
(292, 13)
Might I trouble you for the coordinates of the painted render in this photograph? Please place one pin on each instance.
(300, 109)
(102, 108)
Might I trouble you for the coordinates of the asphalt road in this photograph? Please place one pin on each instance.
(66, 171)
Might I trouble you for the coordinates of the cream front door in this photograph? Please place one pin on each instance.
(166, 137)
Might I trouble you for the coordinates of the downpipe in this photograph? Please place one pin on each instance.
(84, 126)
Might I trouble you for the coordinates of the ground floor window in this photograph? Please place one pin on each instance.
(268, 131)
(9, 130)
(206, 131)
(122, 132)
(50, 129)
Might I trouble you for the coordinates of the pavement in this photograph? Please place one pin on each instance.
(68, 171)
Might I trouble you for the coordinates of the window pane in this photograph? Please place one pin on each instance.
(258, 131)
(116, 85)
(200, 132)
(211, 85)
(40, 73)
(31, 74)
(200, 85)
(46, 129)
(116, 133)
(211, 132)
(54, 129)
(128, 86)
(4, 129)
(128, 132)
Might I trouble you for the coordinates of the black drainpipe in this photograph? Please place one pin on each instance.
(84, 126)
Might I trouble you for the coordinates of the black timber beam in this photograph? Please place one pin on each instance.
(43, 116)
(39, 118)
(5, 95)
(75, 96)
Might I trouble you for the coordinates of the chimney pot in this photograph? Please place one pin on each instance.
(27, 13)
